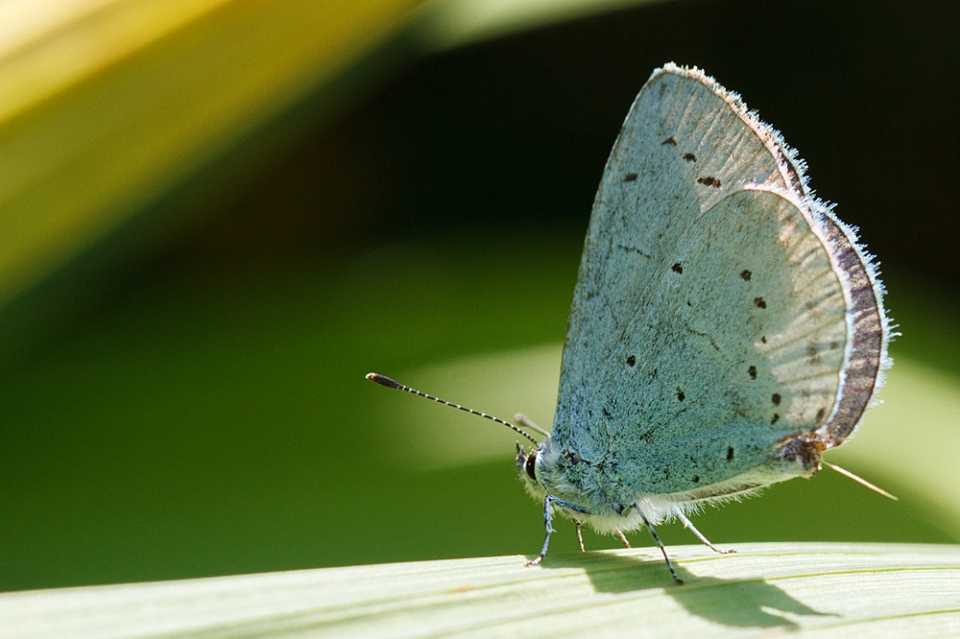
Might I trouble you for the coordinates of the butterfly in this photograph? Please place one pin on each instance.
(726, 327)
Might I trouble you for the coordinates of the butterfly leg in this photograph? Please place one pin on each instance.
(706, 542)
(547, 517)
(626, 544)
(580, 535)
(663, 550)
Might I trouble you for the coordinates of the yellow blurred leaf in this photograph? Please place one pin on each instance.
(452, 23)
(106, 104)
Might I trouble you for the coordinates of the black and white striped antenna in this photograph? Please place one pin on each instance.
(383, 380)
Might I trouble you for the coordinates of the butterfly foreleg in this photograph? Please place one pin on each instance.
(548, 517)
(523, 420)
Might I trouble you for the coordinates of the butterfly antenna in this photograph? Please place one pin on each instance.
(859, 480)
(389, 383)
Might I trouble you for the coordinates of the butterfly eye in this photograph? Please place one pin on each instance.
(530, 466)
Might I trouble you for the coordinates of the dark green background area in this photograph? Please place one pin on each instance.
(190, 401)
(211, 427)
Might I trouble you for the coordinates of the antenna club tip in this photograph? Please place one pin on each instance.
(383, 380)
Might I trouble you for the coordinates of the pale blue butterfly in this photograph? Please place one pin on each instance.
(726, 327)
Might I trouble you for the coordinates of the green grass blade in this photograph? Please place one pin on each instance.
(809, 589)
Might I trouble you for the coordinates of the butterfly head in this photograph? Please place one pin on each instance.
(528, 469)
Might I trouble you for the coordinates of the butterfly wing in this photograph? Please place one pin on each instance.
(715, 314)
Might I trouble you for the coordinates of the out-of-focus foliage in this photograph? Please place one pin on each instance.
(107, 104)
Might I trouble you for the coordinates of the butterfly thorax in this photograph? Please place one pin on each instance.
(590, 484)
(598, 485)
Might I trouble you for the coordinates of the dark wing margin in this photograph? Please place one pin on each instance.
(869, 333)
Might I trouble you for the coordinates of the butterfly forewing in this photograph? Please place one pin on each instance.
(708, 322)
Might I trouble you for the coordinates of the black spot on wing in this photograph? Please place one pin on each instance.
(759, 302)
(729, 453)
(821, 413)
(746, 275)
(677, 268)
(689, 157)
(776, 399)
(709, 181)
(630, 177)
(680, 395)
(631, 360)
(775, 419)
(752, 372)
(671, 141)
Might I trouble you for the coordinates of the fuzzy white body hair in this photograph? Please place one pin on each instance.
(607, 516)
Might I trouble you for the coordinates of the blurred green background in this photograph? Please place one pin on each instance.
(216, 217)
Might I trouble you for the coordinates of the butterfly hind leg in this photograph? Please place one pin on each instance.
(706, 542)
(548, 517)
